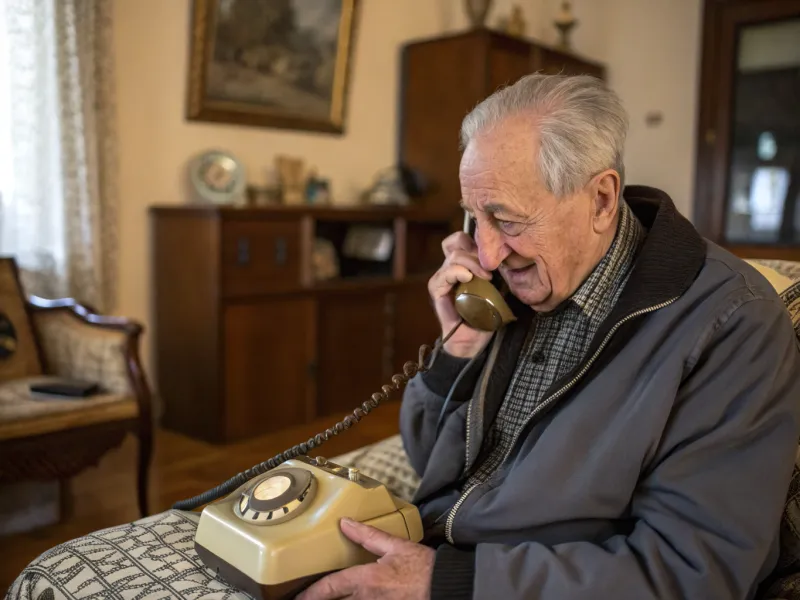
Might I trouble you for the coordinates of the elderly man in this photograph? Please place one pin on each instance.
(632, 433)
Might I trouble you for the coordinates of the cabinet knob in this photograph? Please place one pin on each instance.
(281, 251)
(311, 370)
(243, 251)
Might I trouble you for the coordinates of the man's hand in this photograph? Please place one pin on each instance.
(403, 571)
(460, 265)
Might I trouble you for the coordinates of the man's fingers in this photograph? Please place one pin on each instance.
(457, 241)
(336, 585)
(445, 278)
(471, 262)
(371, 539)
(455, 276)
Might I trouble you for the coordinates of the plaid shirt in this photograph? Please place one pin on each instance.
(557, 341)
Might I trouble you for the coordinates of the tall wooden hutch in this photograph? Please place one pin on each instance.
(247, 342)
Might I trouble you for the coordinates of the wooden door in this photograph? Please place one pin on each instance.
(352, 349)
(748, 142)
(269, 355)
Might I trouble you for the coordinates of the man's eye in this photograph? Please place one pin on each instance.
(510, 227)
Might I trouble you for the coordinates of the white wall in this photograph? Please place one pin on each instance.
(651, 48)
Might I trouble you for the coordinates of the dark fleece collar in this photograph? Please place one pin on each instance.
(670, 258)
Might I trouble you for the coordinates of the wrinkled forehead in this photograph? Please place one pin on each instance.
(509, 146)
(500, 166)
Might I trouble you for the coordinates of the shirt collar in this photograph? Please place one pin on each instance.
(601, 289)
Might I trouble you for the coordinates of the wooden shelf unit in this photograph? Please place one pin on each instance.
(247, 342)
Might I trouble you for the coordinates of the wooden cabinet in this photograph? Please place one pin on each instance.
(268, 350)
(247, 342)
(352, 348)
(443, 78)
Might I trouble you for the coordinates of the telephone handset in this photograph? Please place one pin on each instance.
(273, 529)
(480, 303)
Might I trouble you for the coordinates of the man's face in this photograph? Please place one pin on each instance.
(543, 246)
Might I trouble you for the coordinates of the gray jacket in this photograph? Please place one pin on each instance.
(658, 468)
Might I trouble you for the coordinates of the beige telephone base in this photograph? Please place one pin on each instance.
(279, 532)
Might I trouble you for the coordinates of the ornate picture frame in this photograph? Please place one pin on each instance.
(271, 63)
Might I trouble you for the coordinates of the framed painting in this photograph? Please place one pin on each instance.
(271, 63)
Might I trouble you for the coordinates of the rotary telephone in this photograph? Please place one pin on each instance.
(273, 530)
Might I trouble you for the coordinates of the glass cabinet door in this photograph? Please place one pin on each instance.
(764, 170)
(748, 146)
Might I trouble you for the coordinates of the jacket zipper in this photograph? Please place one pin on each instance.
(448, 528)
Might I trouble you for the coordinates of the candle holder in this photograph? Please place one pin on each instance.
(565, 22)
(477, 11)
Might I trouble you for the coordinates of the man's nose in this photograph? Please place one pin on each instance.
(491, 249)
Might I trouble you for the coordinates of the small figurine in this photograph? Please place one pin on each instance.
(292, 176)
(317, 189)
(516, 23)
(387, 189)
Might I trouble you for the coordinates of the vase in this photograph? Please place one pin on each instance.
(565, 23)
(477, 10)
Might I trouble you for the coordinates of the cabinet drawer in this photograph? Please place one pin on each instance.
(260, 257)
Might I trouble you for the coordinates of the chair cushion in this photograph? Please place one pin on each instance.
(23, 415)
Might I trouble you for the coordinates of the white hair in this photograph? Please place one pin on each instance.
(581, 124)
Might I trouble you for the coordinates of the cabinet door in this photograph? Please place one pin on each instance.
(553, 61)
(509, 60)
(352, 349)
(269, 352)
(747, 186)
(260, 256)
(441, 80)
(415, 324)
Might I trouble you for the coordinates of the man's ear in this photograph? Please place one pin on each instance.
(605, 188)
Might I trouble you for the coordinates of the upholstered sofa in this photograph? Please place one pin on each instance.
(155, 557)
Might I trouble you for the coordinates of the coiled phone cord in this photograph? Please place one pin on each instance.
(410, 369)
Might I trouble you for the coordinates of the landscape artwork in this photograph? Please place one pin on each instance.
(271, 63)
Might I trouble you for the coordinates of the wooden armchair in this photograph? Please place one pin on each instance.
(44, 439)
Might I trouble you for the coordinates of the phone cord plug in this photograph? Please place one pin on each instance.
(410, 369)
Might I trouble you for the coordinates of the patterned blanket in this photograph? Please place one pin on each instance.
(154, 558)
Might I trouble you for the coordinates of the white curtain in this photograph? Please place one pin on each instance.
(58, 196)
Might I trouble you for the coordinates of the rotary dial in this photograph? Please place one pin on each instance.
(276, 497)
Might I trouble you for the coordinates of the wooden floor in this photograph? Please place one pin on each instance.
(182, 467)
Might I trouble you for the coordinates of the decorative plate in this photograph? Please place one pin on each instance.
(218, 177)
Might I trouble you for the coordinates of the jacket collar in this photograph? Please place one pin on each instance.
(670, 258)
